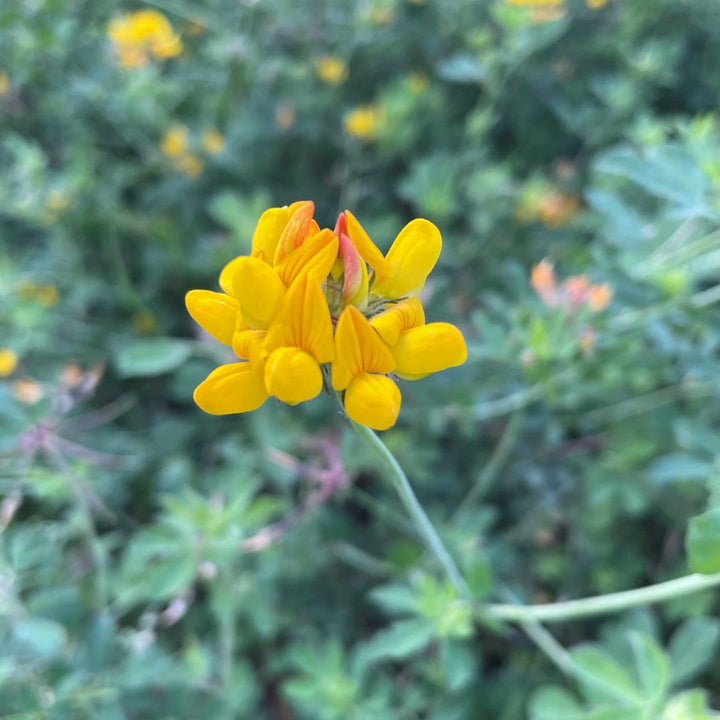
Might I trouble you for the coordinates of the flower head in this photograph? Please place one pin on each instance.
(365, 122)
(331, 70)
(139, 35)
(8, 362)
(313, 307)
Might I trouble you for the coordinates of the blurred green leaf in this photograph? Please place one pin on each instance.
(150, 357)
(693, 646)
(703, 542)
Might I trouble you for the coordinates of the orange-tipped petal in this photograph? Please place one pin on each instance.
(373, 400)
(259, 290)
(410, 259)
(358, 349)
(303, 321)
(427, 349)
(234, 388)
(216, 313)
(355, 281)
(400, 317)
(297, 229)
(315, 257)
(365, 246)
(292, 375)
(268, 230)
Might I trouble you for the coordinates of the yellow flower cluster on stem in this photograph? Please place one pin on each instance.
(138, 36)
(314, 308)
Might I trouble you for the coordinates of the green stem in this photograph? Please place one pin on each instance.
(603, 604)
(419, 517)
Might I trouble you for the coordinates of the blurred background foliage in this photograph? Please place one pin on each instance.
(156, 562)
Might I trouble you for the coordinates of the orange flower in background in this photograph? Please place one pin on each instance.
(138, 36)
(312, 308)
(573, 293)
(553, 208)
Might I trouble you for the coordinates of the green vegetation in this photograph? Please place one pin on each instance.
(157, 562)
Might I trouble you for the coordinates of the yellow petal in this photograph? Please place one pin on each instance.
(400, 317)
(373, 400)
(428, 349)
(297, 229)
(233, 388)
(249, 344)
(315, 257)
(410, 259)
(227, 273)
(365, 246)
(259, 290)
(268, 231)
(303, 321)
(216, 313)
(358, 349)
(292, 375)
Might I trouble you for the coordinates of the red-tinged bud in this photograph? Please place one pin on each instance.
(355, 276)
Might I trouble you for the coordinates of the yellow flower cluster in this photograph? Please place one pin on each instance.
(139, 35)
(312, 307)
(175, 144)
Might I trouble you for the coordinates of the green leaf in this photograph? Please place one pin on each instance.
(41, 638)
(401, 640)
(653, 666)
(667, 172)
(459, 660)
(396, 599)
(692, 647)
(462, 68)
(554, 703)
(679, 467)
(152, 356)
(604, 676)
(703, 542)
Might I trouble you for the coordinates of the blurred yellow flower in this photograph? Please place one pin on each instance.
(535, 3)
(57, 201)
(380, 15)
(596, 4)
(139, 35)
(331, 69)
(365, 121)
(175, 141)
(8, 362)
(46, 295)
(418, 83)
(4, 83)
(213, 142)
(284, 116)
(189, 164)
(27, 391)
